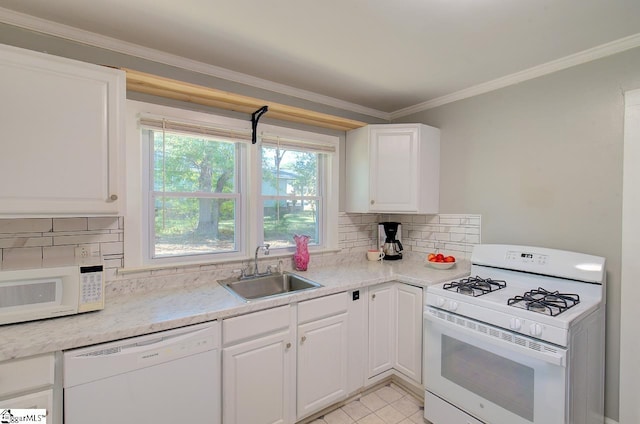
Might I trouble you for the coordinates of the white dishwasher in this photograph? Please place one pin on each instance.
(161, 378)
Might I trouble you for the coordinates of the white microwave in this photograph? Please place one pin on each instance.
(31, 294)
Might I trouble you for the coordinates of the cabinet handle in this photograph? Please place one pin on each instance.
(302, 339)
(373, 201)
(113, 197)
(373, 296)
(288, 345)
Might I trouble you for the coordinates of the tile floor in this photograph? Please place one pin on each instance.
(390, 404)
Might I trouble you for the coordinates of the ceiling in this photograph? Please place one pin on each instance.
(380, 56)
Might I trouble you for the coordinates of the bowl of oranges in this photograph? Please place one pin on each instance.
(440, 261)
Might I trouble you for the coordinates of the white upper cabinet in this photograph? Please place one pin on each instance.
(62, 134)
(393, 169)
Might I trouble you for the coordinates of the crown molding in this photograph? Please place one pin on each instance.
(579, 58)
(86, 37)
(89, 38)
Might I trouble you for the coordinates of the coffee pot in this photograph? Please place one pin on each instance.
(389, 234)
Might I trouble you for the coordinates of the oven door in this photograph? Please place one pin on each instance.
(494, 375)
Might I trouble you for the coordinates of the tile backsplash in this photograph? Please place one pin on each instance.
(451, 234)
(49, 242)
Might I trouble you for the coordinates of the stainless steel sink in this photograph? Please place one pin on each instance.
(277, 284)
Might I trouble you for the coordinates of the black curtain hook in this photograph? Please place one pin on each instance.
(255, 117)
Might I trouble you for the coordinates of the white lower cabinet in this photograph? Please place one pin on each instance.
(381, 328)
(258, 365)
(37, 400)
(28, 383)
(268, 377)
(322, 353)
(408, 337)
(395, 330)
(284, 364)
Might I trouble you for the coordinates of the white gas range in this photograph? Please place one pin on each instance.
(519, 341)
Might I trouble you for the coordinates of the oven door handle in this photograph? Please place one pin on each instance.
(553, 355)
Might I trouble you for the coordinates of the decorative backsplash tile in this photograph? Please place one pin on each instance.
(50, 242)
(46, 242)
(451, 234)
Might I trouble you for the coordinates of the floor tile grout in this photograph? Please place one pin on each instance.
(389, 404)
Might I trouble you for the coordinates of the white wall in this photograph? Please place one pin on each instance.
(541, 161)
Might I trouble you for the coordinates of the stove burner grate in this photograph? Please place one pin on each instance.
(545, 302)
(475, 286)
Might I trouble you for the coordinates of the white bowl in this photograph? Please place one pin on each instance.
(440, 265)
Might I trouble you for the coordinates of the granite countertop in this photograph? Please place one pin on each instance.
(143, 313)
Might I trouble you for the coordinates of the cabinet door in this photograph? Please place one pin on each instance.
(393, 172)
(322, 363)
(381, 328)
(61, 126)
(255, 380)
(408, 343)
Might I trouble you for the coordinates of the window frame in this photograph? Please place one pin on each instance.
(250, 233)
(147, 255)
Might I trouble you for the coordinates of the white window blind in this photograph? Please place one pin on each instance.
(195, 128)
(297, 144)
(237, 134)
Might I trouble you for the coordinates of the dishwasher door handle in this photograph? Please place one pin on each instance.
(82, 365)
(143, 345)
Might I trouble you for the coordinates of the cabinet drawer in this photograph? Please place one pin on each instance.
(25, 374)
(255, 324)
(37, 400)
(322, 307)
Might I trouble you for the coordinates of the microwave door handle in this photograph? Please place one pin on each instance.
(557, 359)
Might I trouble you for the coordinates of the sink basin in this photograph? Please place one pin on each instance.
(268, 286)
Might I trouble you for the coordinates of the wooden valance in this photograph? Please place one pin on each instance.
(141, 82)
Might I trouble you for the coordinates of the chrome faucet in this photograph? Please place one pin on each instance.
(255, 259)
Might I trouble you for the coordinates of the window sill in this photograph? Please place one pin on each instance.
(203, 264)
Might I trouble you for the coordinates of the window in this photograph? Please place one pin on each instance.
(194, 194)
(209, 195)
(291, 196)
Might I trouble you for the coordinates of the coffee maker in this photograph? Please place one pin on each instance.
(389, 235)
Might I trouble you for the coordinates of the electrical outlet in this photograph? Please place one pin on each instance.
(82, 252)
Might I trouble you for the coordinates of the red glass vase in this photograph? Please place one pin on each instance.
(301, 257)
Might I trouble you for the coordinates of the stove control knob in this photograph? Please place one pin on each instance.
(515, 324)
(453, 305)
(440, 302)
(535, 330)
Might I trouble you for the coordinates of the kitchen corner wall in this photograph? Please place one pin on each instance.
(51, 242)
(450, 234)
